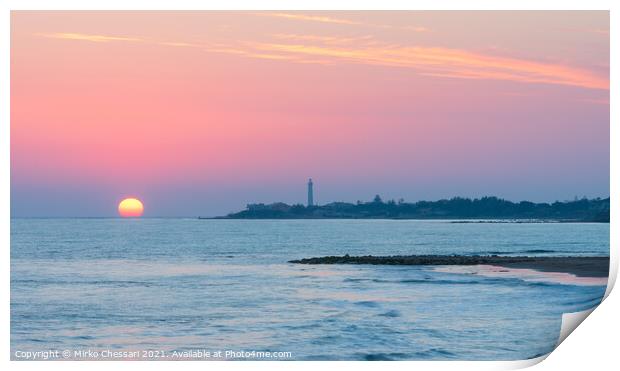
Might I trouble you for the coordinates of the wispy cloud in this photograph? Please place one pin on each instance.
(427, 61)
(88, 37)
(343, 21)
(415, 28)
(312, 18)
(450, 63)
(179, 44)
(334, 40)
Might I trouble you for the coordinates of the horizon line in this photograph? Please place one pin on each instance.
(292, 204)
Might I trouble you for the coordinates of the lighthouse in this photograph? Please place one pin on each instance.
(310, 193)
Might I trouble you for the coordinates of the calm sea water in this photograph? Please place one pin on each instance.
(225, 285)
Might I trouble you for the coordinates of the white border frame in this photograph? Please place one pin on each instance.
(604, 326)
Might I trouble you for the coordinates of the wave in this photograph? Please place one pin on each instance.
(385, 356)
(434, 353)
(530, 251)
(118, 283)
(367, 303)
(471, 280)
(390, 313)
(529, 276)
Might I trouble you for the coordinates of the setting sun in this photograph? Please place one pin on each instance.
(130, 207)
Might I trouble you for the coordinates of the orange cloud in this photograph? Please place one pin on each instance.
(323, 19)
(446, 62)
(428, 61)
(180, 44)
(311, 18)
(87, 37)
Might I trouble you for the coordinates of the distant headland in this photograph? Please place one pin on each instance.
(578, 210)
(584, 210)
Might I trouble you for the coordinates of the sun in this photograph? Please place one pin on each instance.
(130, 208)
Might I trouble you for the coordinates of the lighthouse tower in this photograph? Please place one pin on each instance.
(310, 193)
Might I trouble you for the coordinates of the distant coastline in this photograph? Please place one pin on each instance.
(479, 210)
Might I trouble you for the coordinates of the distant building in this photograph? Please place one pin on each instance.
(255, 207)
(310, 193)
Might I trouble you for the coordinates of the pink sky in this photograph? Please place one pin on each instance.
(203, 112)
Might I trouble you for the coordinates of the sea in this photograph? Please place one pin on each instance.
(179, 289)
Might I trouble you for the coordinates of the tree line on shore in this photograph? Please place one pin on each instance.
(591, 210)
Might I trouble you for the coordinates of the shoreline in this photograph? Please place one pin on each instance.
(581, 266)
(447, 220)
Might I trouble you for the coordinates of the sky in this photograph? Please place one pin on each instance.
(200, 113)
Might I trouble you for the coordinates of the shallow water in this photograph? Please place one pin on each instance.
(187, 284)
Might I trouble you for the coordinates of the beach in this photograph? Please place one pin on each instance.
(581, 266)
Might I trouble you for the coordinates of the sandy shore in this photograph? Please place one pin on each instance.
(586, 266)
